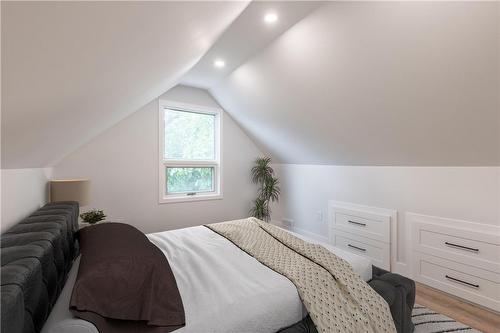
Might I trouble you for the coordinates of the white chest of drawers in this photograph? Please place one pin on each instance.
(363, 230)
(458, 257)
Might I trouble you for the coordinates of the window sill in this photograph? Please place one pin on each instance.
(201, 197)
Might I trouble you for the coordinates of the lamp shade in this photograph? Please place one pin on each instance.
(70, 190)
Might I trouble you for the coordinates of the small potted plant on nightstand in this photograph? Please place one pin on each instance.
(92, 217)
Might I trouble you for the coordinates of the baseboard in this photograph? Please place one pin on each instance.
(312, 235)
(402, 269)
(301, 231)
(281, 224)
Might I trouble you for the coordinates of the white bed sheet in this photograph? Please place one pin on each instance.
(222, 288)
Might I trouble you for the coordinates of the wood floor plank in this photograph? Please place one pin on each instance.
(473, 315)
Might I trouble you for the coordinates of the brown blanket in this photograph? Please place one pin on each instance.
(125, 283)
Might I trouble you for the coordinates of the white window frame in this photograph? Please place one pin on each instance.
(163, 163)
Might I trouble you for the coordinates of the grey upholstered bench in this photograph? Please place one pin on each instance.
(399, 292)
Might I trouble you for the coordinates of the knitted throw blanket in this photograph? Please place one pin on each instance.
(337, 299)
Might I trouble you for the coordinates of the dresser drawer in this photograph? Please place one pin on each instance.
(468, 247)
(474, 284)
(377, 252)
(367, 225)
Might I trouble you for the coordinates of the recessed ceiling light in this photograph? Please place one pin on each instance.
(271, 17)
(219, 63)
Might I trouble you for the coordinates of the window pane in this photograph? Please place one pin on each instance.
(184, 180)
(189, 135)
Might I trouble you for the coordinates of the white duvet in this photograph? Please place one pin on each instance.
(223, 289)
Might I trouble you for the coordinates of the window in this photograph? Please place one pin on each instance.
(190, 152)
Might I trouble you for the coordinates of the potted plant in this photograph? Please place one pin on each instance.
(269, 191)
(92, 217)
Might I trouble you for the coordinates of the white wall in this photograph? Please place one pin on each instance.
(122, 164)
(466, 193)
(23, 192)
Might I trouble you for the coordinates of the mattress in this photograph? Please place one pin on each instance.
(222, 288)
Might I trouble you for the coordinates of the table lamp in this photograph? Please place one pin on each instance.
(70, 190)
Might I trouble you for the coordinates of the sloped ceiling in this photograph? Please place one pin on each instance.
(376, 83)
(72, 69)
(352, 83)
(246, 36)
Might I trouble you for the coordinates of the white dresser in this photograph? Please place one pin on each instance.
(458, 257)
(363, 230)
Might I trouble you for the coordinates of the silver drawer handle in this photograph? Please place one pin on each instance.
(462, 247)
(357, 223)
(357, 248)
(461, 281)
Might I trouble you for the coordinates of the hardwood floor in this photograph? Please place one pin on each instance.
(473, 315)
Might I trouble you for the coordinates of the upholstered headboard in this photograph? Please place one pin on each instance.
(37, 255)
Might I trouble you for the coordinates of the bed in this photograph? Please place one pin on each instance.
(223, 289)
(238, 293)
